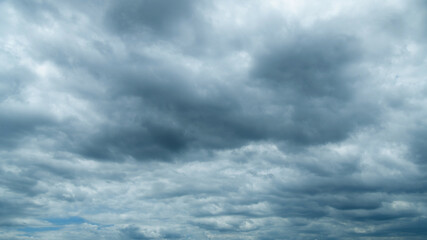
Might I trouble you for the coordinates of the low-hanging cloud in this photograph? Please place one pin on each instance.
(212, 120)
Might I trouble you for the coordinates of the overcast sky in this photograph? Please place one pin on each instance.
(192, 119)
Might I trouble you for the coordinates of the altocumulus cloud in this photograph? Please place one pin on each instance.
(188, 119)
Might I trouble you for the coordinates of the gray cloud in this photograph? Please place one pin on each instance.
(153, 16)
(202, 120)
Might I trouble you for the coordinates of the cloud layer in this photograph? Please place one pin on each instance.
(213, 120)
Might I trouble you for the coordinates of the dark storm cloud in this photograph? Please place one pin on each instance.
(413, 228)
(316, 74)
(14, 210)
(20, 123)
(182, 23)
(418, 145)
(159, 17)
(311, 65)
(18, 183)
(151, 140)
(158, 111)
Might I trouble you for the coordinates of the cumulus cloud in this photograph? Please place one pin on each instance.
(190, 119)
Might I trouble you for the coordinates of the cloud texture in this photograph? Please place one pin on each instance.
(188, 119)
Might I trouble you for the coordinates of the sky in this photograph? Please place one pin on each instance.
(194, 119)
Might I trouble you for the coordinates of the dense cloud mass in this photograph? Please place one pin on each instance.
(188, 119)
